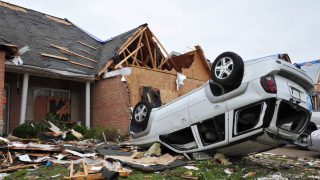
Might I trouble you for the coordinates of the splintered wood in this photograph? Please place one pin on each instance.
(16, 168)
(54, 56)
(58, 20)
(83, 175)
(65, 59)
(150, 55)
(87, 45)
(13, 7)
(73, 53)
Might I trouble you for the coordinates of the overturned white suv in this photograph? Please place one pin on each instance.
(246, 107)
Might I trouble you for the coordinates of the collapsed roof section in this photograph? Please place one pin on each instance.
(10, 49)
(58, 44)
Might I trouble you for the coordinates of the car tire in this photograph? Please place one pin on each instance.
(141, 114)
(307, 132)
(227, 70)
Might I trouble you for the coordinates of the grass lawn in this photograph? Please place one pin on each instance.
(260, 165)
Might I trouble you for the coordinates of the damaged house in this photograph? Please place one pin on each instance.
(49, 65)
(312, 68)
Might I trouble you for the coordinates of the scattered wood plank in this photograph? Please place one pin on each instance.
(73, 53)
(16, 168)
(38, 154)
(71, 169)
(58, 20)
(104, 136)
(83, 175)
(65, 59)
(149, 98)
(35, 147)
(54, 56)
(87, 45)
(119, 64)
(85, 168)
(85, 51)
(79, 64)
(9, 157)
(13, 7)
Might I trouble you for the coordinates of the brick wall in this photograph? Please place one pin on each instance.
(110, 103)
(2, 60)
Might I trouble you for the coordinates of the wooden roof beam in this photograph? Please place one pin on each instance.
(131, 54)
(135, 60)
(149, 50)
(105, 67)
(168, 57)
(131, 39)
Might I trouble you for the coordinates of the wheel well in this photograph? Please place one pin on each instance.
(311, 126)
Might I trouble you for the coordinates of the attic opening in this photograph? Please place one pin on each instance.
(144, 50)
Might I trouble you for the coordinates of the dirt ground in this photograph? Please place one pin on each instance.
(292, 151)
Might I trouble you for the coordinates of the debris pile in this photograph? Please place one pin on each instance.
(91, 159)
(85, 159)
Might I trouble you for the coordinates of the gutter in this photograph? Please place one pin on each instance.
(46, 72)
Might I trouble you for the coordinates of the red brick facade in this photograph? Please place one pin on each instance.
(2, 60)
(110, 104)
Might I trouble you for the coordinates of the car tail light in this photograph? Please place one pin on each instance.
(269, 84)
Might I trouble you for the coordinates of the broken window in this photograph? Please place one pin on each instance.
(53, 101)
(247, 118)
(291, 117)
(182, 139)
(212, 130)
(151, 95)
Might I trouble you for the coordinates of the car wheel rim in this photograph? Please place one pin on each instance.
(223, 68)
(140, 113)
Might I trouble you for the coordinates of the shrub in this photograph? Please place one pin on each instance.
(29, 130)
(112, 134)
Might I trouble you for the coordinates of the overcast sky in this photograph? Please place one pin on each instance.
(251, 28)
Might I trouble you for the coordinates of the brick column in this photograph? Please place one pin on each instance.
(110, 104)
(2, 65)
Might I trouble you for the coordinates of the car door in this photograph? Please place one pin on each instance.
(209, 120)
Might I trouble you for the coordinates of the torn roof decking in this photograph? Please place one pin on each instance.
(10, 49)
(45, 34)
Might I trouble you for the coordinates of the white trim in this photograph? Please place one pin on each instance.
(88, 104)
(24, 98)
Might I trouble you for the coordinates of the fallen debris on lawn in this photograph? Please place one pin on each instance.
(91, 159)
(98, 160)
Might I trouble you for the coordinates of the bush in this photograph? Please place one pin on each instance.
(112, 134)
(29, 130)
